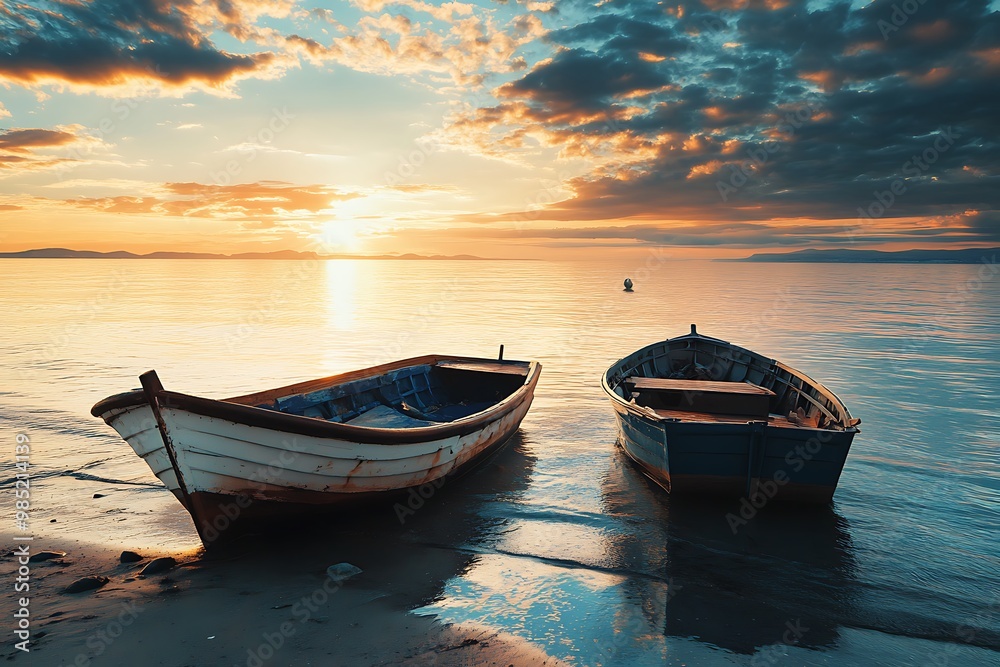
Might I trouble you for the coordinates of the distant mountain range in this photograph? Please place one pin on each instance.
(965, 256)
(64, 253)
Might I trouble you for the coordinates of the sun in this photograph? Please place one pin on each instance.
(338, 236)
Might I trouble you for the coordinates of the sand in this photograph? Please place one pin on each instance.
(266, 602)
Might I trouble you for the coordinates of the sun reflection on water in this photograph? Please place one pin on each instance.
(341, 275)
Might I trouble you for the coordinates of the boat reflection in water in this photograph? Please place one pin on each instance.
(782, 578)
(450, 514)
(405, 560)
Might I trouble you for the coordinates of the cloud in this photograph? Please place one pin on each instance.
(420, 188)
(3, 111)
(108, 45)
(34, 149)
(972, 228)
(101, 183)
(466, 44)
(755, 111)
(446, 11)
(114, 47)
(24, 141)
(980, 225)
(251, 202)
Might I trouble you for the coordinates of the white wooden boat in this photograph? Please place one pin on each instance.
(355, 438)
(703, 416)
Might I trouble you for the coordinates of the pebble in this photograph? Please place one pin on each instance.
(129, 557)
(45, 555)
(342, 571)
(86, 584)
(158, 565)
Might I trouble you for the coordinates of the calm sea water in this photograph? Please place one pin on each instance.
(568, 545)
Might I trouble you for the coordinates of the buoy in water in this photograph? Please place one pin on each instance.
(628, 284)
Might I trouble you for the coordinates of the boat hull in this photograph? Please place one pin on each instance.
(701, 416)
(235, 475)
(789, 465)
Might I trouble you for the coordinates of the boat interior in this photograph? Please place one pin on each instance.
(696, 378)
(411, 397)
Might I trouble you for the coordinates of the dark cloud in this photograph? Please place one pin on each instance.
(984, 225)
(115, 42)
(628, 36)
(712, 234)
(30, 149)
(579, 80)
(23, 141)
(713, 83)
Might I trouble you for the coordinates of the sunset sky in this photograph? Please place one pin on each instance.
(505, 129)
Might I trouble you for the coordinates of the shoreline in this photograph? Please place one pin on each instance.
(236, 611)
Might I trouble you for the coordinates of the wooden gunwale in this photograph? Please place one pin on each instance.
(845, 421)
(243, 413)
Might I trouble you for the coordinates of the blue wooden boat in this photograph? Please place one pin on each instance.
(703, 416)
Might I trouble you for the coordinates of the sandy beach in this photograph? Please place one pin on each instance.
(273, 604)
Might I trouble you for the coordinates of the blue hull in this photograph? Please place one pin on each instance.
(703, 416)
(786, 464)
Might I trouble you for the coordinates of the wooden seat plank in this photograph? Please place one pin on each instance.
(506, 368)
(690, 416)
(705, 386)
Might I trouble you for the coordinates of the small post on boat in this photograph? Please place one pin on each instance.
(500, 356)
(694, 330)
(152, 388)
(755, 457)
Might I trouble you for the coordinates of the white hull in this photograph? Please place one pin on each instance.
(357, 438)
(226, 458)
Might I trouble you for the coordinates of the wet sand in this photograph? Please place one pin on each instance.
(272, 604)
